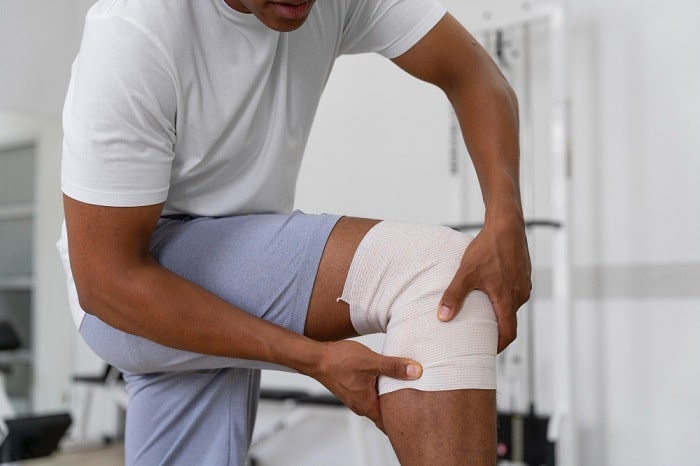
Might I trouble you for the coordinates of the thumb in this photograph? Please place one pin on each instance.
(399, 368)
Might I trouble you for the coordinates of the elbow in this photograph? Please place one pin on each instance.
(510, 96)
(97, 292)
(112, 294)
(499, 88)
(480, 87)
(88, 299)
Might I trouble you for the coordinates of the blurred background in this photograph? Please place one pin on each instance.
(608, 352)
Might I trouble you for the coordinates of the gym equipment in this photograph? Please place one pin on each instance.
(25, 437)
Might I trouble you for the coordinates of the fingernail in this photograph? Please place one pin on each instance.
(444, 313)
(412, 371)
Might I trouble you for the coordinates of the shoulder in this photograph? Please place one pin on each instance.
(161, 21)
(388, 27)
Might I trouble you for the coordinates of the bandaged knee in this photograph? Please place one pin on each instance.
(395, 282)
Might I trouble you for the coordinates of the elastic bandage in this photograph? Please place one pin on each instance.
(394, 285)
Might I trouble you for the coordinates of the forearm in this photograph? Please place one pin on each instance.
(487, 111)
(149, 301)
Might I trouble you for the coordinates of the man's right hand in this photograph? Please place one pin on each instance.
(350, 371)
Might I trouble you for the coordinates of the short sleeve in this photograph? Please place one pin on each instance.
(388, 27)
(119, 117)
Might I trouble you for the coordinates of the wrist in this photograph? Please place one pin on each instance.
(502, 196)
(506, 211)
(302, 354)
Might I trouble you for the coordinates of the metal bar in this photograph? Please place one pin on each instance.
(564, 430)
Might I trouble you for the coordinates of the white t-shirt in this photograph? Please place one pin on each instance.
(194, 104)
(204, 108)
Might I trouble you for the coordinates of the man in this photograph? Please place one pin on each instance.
(185, 123)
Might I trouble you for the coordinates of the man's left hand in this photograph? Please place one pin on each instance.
(496, 262)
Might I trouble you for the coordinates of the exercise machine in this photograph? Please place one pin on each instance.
(30, 436)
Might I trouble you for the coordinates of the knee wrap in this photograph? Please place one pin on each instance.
(394, 285)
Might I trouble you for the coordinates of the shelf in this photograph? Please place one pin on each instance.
(16, 211)
(16, 282)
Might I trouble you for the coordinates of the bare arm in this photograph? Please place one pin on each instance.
(497, 261)
(122, 284)
(117, 278)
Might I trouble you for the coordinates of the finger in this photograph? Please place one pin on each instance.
(369, 409)
(368, 406)
(454, 296)
(507, 327)
(376, 417)
(399, 368)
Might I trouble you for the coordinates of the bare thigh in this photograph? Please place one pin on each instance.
(327, 318)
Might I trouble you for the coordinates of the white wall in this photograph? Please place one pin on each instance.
(364, 144)
(634, 67)
(636, 224)
(38, 41)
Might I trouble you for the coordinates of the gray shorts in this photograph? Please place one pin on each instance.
(187, 408)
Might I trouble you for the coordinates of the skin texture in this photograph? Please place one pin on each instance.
(116, 275)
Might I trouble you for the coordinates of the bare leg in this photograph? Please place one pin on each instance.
(327, 318)
(448, 428)
(425, 428)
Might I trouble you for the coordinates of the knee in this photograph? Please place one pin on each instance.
(459, 354)
(394, 285)
(399, 266)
